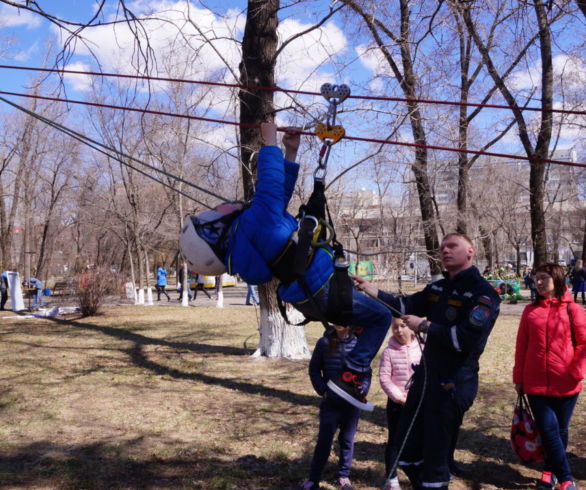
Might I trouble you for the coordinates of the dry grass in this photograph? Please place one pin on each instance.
(165, 397)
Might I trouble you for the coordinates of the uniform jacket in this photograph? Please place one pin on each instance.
(462, 312)
(546, 360)
(396, 368)
(323, 364)
(260, 233)
(161, 277)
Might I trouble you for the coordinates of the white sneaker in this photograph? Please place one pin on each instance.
(344, 483)
(392, 484)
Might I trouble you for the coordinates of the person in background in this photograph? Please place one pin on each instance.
(578, 280)
(334, 412)
(550, 363)
(251, 294)
(37, 293)
(161, 283)
(395, 370)
(3, 289)
(201, 287)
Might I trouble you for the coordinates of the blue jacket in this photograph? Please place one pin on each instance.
(261, 232)
(462, 312)
(161, 277)
(33, 282)
(323, 364)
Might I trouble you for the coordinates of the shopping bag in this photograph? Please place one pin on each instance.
(525, 439)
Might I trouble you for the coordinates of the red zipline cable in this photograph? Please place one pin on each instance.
(290, 91)
(246, 125)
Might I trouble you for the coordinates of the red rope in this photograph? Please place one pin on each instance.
(290, 91)
(248, 125)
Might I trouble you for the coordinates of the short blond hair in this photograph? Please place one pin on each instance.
(459, 235)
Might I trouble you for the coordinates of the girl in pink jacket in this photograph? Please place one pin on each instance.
(395, 370)
(550, 363)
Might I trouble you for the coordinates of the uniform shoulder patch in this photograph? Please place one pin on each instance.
(480, 314)
(485, 300)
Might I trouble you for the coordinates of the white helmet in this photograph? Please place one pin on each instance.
(196, 250)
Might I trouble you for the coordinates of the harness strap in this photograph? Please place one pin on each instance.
(339, 308)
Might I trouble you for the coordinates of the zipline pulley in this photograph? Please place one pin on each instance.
(329, 133)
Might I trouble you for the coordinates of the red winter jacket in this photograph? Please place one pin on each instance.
(546, 360)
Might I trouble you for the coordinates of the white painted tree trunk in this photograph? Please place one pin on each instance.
(140, 296)
(277, 337)
(149, 296)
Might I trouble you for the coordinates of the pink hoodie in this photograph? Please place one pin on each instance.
(396, 369)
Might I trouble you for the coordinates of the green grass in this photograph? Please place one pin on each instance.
(170, 398)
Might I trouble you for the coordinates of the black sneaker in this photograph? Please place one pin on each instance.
(548, 480)
(347, 385)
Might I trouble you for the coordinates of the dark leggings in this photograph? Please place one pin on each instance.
(393, 415)
(161, 289)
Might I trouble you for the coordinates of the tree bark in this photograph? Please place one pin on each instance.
(259, 48)
(277, 337)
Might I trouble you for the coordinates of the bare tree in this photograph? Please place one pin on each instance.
(405, 73)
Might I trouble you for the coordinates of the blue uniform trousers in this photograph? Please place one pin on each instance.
(432, 434)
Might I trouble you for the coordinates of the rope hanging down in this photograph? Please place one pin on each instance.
(256, 126)
(287, 91)
(104, 149)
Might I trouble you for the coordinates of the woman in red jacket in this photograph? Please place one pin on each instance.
(550, 361)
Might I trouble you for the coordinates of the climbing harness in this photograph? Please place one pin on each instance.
(316, 229)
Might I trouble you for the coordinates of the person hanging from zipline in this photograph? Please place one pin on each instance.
(261, 240)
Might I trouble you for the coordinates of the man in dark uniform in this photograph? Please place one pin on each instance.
(456, 314)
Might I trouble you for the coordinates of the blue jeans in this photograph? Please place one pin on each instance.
(37, 298)
(251, 293)
(333, 413)
(368, 314)
(552, 416)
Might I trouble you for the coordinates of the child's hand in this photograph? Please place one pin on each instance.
(291, 140)
(268, 132)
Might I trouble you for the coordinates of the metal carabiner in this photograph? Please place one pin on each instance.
(308, 216)
(327, 239)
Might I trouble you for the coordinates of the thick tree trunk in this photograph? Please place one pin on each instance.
(277, 337)
(537, 175)
(259, 48)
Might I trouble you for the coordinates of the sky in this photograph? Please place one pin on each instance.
(329, 54)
